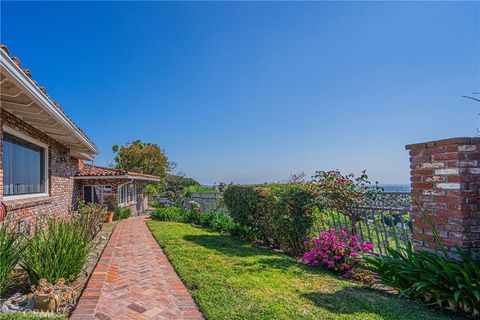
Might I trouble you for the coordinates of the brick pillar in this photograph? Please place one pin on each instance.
(445, 179)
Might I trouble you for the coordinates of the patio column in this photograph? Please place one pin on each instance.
(445, 180)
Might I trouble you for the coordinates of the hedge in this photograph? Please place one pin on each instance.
(283, 215)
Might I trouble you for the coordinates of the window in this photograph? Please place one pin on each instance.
(25, 163)
(132, 193)
(96, 194)
(127, 193)
(122, 194)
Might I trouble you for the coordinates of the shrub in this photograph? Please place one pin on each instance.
(282, 215)
(340, 252)
(163, 202)
(431, 276)
(168, 214)
(253, 207)
(218, 221)
(122, 213)
(11, 248)
(91, 216)
(222, 222)
(241, 202)
(150, 190)
(320, 221)
(111, 202)
(293, 219)
(244, 232)
(59, 250)
(342, 193)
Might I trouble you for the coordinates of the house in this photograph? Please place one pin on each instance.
(42, 154)
(95, 183)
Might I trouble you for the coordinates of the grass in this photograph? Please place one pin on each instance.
(230, 279)
(30, 316)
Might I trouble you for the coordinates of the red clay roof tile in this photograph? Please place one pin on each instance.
(96, 171)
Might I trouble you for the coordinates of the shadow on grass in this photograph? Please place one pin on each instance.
(357, 300)
(233, 247)
(227, 245)
(347, 300)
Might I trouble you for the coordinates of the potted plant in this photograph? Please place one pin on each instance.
(111, 205)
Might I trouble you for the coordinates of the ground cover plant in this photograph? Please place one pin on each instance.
(231, 279)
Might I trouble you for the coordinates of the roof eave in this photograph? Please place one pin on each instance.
(17, 74)
(124, 176)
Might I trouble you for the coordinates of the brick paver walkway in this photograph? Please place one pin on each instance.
(134, 280)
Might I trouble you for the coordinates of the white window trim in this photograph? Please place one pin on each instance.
(121, 204)
(126, 203)
(25, 137)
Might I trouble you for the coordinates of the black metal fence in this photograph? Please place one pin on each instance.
(385, 220)
(385, 217)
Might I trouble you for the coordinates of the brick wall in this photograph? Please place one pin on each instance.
(445, 179)
(61, 168)
(137, 207)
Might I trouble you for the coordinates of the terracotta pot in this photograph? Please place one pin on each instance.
(109, 218)
(46, 303)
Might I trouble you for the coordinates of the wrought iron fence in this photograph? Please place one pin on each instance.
(208, 201)
(386, 220)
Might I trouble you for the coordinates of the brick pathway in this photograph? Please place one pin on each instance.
(134, 280)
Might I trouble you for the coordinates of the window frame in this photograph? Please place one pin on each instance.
(126, 187)
(119, 194)
(46, 177)
(132, 188)
(101, 196)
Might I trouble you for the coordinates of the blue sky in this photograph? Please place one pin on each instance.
(251, 92)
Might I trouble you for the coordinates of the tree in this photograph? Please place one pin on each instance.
(297, 178)
(146, 158)
(176, 184)
(342, 193)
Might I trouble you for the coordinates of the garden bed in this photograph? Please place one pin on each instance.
(21, 283)
(231, 279)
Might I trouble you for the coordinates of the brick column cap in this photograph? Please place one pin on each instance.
(443, 142)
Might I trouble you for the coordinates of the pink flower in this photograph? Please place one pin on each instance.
(340, 251)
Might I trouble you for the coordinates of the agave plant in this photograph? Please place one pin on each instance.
(432, 276)
(12, 247)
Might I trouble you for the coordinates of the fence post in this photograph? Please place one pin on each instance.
(445, 180)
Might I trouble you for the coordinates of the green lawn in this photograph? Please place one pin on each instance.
(30, 316)
(230, 279)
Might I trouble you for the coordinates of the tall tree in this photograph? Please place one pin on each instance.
(147, 158)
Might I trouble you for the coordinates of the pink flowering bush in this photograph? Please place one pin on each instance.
(341, 252)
